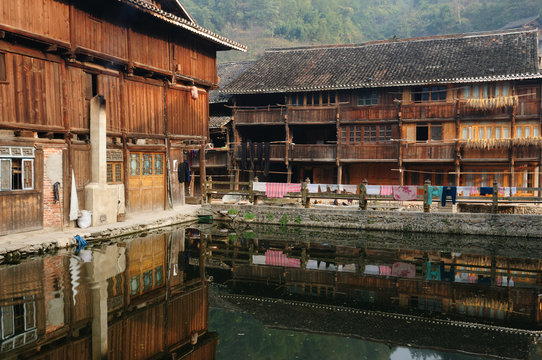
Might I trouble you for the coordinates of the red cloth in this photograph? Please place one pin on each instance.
(405, 193)
(278, 190)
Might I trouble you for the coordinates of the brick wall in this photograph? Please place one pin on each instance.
(52, 210)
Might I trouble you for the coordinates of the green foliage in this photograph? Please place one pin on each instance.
(262, 23)
(233, 211)
(283, 221)
(270, 217)
(249, 216)
(297, 219)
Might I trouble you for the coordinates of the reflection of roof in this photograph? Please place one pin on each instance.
(494, 56)
(226, 73)
(191, 26)
(396, 329)
(216, 122)
(520, 23)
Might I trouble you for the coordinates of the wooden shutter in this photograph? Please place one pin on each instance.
(5, 174)
(28, 174)
(8, 325)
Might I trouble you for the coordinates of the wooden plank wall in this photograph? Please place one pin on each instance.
(144, 106)
(45, 18)
(194, 59)
(176, 187)
(186, 115)
(32, 93)
(144, 333)
(80, 163)
(110, 88)
(94, 31)
(151, 50)
(77, 105)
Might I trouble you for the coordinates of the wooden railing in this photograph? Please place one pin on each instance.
(259, 116)
(276, 152)
(313, 114)
(368, 151)
(428, 111)
(376, 112)
(493, 197)
(314, 152)
(424, 151)
(216, 158)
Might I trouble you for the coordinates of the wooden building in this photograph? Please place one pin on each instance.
(457, 109)
(150, 64)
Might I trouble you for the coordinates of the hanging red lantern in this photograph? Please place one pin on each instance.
(194, 92)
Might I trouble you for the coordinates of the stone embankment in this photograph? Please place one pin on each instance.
(507, 225)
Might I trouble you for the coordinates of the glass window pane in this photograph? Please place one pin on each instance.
(158, 164)
(134, 164)
(527, 131)
(464, 133)
(466, 92)
(505, 132)
(519, 132)
(476, 92)
(485, 90)
(498, 132)
(147, 164)
(505, 89)
(470, 132)
(436, 132)
(498, 90)
(480, 133)
(109, 172)
(425, 94)
(535, 131)
(488, 133)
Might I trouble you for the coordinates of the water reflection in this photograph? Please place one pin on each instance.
(277, 293)
(132, 299)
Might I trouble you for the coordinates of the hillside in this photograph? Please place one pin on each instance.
(262, 24)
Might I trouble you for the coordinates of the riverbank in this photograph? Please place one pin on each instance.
(502, 225)
(20, 245)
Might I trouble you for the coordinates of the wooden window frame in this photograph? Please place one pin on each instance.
(24, 173)
(426, 94)
(367, 97)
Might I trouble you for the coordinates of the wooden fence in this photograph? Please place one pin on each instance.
(529, 195)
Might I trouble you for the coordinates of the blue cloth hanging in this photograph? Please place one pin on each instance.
(486, 190)
(448, 191)
(81, 244)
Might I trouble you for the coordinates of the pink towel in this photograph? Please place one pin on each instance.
(278, 190)
(277, 258)
(384, 270)
(386, 190)
(474, 191)
(402, 269)
(405, 193)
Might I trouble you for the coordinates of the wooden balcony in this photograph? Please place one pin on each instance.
(369, 152)
(276, 152)
(443, 110)
(525, 108)
(377, 112)
(313, 152)
(216, 158)
(428, 152)
(312, 114)
(260, 116)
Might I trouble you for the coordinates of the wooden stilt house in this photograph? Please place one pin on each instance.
(150, 64)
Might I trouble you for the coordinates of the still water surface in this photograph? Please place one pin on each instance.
(260, 292)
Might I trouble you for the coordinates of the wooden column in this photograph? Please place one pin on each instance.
(339, 174)
(287, 131)
(512, 155)
(400, 144)
(457, 145)
(289, 175)
(338, 148)
(202, 170)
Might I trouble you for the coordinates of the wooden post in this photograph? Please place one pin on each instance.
(289, 175)
(237, 174)
(426, 195)
(495, 207)
(305, 200)
(363, 195)
(251, 191)
(339, 174)
(255, 196)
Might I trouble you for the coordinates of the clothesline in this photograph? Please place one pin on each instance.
(463, 172)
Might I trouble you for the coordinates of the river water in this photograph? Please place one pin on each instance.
(246, 291)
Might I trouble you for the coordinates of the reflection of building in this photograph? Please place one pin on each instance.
(135, 299)
(471, 287)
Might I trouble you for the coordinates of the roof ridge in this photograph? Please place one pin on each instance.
(405, 40)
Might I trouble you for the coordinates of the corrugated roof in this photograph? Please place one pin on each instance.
(184, 24)
(494, 56)
(226, 73)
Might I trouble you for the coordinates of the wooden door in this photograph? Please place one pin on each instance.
(146, 181)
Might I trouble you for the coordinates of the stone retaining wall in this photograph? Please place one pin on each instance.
(409, 221)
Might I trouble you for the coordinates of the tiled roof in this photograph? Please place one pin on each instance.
(478, 57)
(191, 26)
(226, 73)
(216, 122)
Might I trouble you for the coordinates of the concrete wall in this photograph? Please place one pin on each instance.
(408, 221)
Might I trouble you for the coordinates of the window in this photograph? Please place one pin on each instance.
(385, 132)
(422, 132)
(527, 131)
(485, 91)
(486, 131)
(426, 93)
(297, 99)
(16, 171)
(3, 70)
(367, 97)
(370, 133)
(436, 132)
(114, 172)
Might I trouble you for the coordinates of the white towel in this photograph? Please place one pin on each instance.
(312, 264)
(463, 190)
(74, 202)
(313, 188)
(258, 186)
(373, 189)
(351, 189)
(372, 270)
(258, 259)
